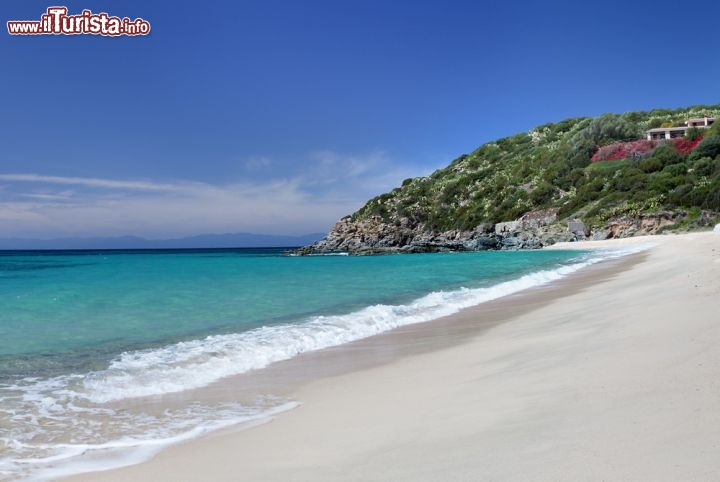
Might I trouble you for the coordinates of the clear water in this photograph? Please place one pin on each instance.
(82, 332)
(65, 309)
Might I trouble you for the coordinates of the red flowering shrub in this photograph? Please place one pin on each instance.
(626, 150)
(685, 146)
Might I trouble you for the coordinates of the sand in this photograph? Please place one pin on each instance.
(612, 375)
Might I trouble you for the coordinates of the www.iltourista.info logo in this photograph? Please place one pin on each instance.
(57, 22)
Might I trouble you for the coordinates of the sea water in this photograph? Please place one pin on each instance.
(89, 339)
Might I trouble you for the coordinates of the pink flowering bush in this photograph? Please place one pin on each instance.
(626, 150)
(686, 146)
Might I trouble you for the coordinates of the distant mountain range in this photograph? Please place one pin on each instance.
(228, 240)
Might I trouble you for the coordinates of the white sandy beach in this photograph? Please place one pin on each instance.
(618, 380)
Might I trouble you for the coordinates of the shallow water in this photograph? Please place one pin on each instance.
(94, 344)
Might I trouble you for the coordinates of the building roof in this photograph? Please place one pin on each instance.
(663, 129)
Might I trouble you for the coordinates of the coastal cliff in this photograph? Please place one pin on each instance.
(372, 236)
(581, 178)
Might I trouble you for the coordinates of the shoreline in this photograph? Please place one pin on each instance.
(438, 354)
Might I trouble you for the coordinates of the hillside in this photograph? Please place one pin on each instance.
(599, 170)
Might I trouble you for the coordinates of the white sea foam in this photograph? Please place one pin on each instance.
(67, 459)
(197, 363)
(78, 402)
(340, 253)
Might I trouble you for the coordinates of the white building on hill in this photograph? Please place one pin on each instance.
(675, 132)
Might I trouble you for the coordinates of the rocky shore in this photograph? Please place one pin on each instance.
(534, 230)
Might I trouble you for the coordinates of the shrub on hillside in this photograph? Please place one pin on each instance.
(712, 198)
(693, 133)
(666, 154)
(709, 147)
(713, 130)
(651, 164)
(707, 166)
(664, 182)
(677, 169)
(630, 179)
(542, 193)
(705, 196)
(602, 130)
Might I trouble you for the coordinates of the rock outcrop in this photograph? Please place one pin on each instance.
(533, 230)
(373, 236)
(647, 224)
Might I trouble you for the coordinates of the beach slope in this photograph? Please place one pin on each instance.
(619, 380)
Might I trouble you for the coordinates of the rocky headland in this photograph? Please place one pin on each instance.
(585, 178)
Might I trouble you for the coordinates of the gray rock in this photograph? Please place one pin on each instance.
(532, 243)
(373, 235)
(511, 242)
(507, 227)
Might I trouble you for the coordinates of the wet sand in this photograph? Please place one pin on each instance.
(610, 374)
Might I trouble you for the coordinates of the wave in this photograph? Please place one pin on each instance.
(49, 461)
(197, 363)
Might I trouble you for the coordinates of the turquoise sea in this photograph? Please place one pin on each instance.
(86, 334)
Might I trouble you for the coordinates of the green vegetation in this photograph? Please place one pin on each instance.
(551, 167)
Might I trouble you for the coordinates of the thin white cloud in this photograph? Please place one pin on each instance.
(89, 181)
(48, 197)
(350, 166)
(325, 187)
(273, 208)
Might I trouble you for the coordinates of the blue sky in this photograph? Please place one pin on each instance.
(281, 116)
